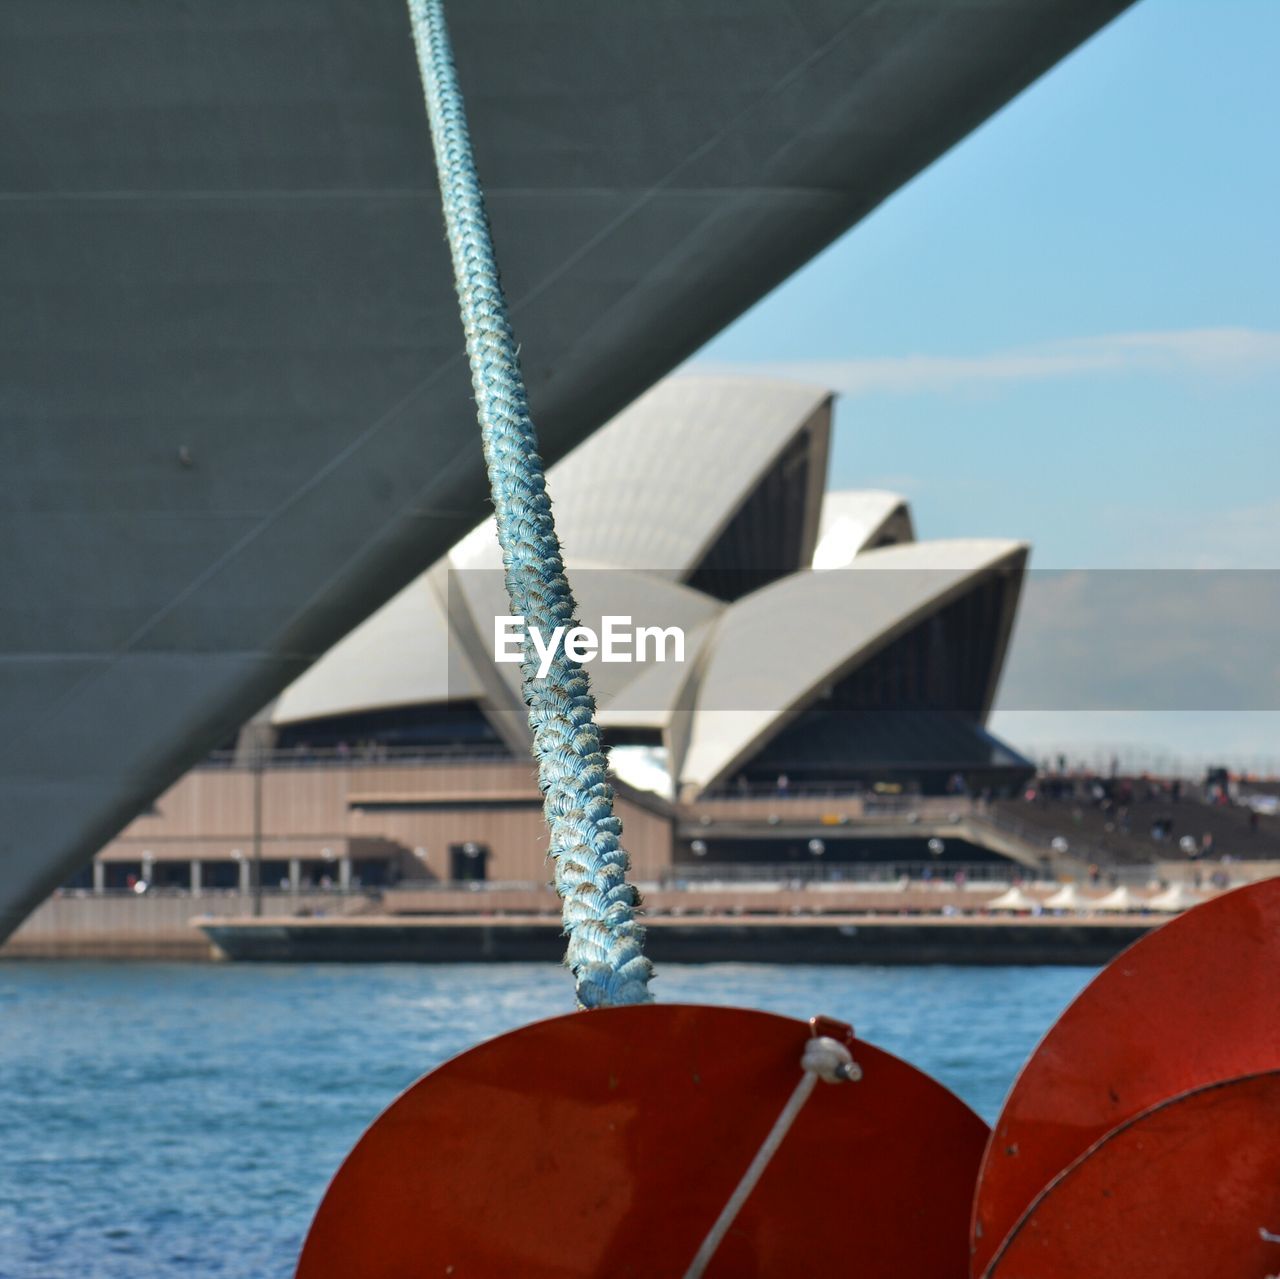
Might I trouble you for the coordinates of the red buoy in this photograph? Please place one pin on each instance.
(1191, 1004)
(610, 1142)
(1189, 1187)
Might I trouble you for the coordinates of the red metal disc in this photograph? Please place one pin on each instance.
(608, 1142)
(1192, 1003)
(1190, 1187)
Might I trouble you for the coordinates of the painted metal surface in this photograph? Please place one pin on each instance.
(1192, 1003)
(235, 421)
(608, 1142)
(1190, 1187)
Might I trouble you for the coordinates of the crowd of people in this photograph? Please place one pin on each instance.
(1167, 810)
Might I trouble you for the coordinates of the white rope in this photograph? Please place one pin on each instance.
(825, 1059)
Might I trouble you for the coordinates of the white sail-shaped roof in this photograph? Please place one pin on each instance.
(856, 520)
(411, 653)
(634, 503)
(776, 649)
(402, 656)
(636, 508)
(630, 693)
(654, 488)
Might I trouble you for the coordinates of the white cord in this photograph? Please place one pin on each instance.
(825, 1059)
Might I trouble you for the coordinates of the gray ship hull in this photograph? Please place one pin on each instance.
(235, 414)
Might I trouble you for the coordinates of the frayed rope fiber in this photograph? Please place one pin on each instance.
(605, 950)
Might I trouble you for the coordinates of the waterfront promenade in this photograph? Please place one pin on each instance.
(898, 918)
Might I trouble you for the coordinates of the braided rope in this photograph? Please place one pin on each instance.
(604, 941)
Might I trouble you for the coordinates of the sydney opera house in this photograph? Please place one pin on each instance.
(829, 664)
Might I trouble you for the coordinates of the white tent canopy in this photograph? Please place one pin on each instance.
(1068, 897)
(1013, 899)
(1120, 899)
(1177, 897)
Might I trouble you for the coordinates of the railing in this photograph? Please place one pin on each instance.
(179, 890)
(468, 885)
(908, 808)
(1077, 846)
(816, 871)
(1132, 760)
(771, 790)
(356, 756)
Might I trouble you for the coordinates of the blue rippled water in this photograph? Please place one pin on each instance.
(183, 1120)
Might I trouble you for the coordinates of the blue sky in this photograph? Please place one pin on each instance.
(1068, 328)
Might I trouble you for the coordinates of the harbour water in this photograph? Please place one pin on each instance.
(183, 1120)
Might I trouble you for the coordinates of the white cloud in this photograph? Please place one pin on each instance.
(1242, 537)
(1225, 352)
(1163, 640)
